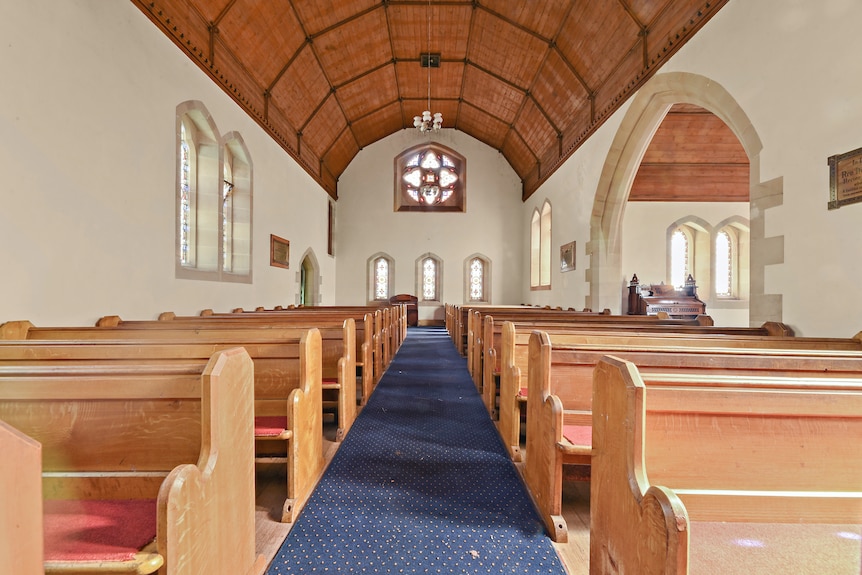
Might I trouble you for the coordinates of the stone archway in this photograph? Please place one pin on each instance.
(643, 117)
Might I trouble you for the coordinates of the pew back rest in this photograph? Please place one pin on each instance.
(766, 434)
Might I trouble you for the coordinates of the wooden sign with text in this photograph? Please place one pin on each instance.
(845, 179)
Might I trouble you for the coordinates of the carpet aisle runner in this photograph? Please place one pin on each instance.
(421, 484)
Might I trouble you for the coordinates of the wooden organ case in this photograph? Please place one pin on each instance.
(652, 299)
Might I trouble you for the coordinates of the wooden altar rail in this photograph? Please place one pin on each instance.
(287, 383)
(672, 456)
(104, 433)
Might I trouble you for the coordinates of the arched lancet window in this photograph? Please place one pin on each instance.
(185, 201)
(731, 259)
(535, 250)
(546, 245)
(429, 278)
(540, 248)
(724, 275)
(430, 177)
(213, 235)
(198, 194)
(236, 210)
(381, 273)
(227, 213)
(477, 276)
(680, 252)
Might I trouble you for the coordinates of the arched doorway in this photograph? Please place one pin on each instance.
(308, 293)
(640, 123)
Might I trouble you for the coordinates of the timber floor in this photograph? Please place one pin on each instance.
(272, 491)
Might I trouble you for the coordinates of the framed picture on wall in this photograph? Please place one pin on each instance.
(279, 252)
(567, 257)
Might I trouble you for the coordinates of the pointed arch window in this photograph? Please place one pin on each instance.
(477, 275)
(429, 278)
(723, 264)
(381, 273)
(213, 201)
(540, 248)
(227, 214)
(430, 178)
(680, 251)
(185, 205)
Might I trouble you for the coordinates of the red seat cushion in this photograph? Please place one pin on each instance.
(92, 530)
(269, 425)
(579, 434)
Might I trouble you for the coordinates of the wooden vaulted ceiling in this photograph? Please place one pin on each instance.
(530, 78)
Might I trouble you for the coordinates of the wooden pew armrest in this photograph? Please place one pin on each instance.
(143, 563)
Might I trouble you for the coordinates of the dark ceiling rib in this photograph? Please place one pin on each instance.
(470, 36)
(287, 66)
(641, 26)
(347, 20)
(398, 80)
(512, 23)
(223, 13)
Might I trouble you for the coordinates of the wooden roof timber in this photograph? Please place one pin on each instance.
(531, 79)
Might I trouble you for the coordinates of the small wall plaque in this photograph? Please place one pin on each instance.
(567, 257)
(845, 179)
(279, 252)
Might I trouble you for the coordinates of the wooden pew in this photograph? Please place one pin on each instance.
(471, 316)
(287, 385)
(21, 530)
(559, 407)
(491, 339)
(104, 432)
(676, 457)
(479, 341)
(338, 344)
(369, 339)
(515, 360)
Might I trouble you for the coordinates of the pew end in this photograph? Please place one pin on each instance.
(21, 528)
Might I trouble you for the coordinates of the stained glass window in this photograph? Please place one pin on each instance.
(477, 280)
(429, 279)
(723, 265)
(381, 279)
(679, 265)
(227, 216)
(430, 178)
(185, 197)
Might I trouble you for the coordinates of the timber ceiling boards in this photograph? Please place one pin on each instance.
(532, 79)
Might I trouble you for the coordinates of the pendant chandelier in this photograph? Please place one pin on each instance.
(428, 122)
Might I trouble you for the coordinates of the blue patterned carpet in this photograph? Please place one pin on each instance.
(421, 484)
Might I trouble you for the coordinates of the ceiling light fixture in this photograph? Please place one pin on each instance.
(428, 122)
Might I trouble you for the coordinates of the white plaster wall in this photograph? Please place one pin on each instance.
(794, 68)
(570, 190)
(367, 224)
(87, 153)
